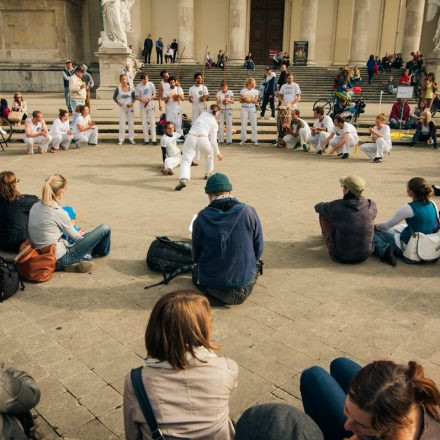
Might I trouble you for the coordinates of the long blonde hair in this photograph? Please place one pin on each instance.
(52, 187)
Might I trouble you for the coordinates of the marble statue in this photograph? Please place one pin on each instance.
(433, 8)
(117, 21)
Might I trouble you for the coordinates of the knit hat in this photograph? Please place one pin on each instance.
(354, 184)
(218, 183)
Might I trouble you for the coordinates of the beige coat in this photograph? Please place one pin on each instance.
(188, 404)
(76, 92)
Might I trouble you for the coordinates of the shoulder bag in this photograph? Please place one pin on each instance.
(36, 265)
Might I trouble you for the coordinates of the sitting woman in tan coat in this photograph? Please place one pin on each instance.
(186, 383)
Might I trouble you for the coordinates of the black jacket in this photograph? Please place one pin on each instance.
(148, 44)
(14, 220)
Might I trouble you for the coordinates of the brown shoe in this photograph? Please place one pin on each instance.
(194, 164)
(170, 171)
(164, 171)
(82, 267)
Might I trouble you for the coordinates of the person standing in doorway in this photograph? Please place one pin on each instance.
(159, 50)
(148, 47)
(68, 71)
(175, 48)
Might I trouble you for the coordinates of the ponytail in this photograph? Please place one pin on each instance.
(51, 188)
(420, 188)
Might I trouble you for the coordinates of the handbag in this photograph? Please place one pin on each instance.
(10, 280)
(15, 116)
(36, 265)
(144, 403)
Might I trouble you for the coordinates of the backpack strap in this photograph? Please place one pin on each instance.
(141, 395)
(167, 279)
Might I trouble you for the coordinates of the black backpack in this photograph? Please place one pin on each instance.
(169, 257)
(10, 280)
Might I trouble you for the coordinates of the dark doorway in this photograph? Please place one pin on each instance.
(266, 31)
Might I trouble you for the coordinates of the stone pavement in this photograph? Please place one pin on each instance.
(80, 334)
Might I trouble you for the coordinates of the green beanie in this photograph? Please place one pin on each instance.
(218, 183)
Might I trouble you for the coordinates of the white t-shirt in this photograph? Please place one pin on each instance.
(169, 52)
(170, 143)
(172, 104)
(229, 94)
(252, 94)
(35, 128)
(146, 91)
(59, 127)
(81, 120)
(289, 92)
(206, 125)
(385, 132)
(165, 87)
(196, 92)
(325, 123)
(346, 128)
(125, 97)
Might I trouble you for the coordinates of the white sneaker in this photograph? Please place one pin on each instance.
(242, 142)
(271, 118)
(260, 117)
(255, 143)
(120, 143)
(132, 142)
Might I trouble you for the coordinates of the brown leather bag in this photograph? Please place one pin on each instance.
(36, 265)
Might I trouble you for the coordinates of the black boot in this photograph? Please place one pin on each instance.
(388, 256)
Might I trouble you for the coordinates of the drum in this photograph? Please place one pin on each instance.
(283, 117)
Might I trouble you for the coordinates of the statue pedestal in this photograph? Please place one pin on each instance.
(112, 60)
(432, 63)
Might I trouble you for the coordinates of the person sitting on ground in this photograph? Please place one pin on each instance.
(173, 155)
(344, 108)
(381, 140)
(20, 105)
(169, 53)
(85, 131)
(383, 400)
(285, 60)
(4, 109)
(347, 224)
(399, 115)
(298, 132)
(48, 221)
(14, 212)
(60, 131)
(276, 421)
(343, 137)
(276, 59)
(227, 242)
(404, 78)
(416, 115)
(420, 215)
(356, 75)
(398, 61)
(321, 129)
(249, 62)
(36, 133)
(208, 60)
(386, 64)
(426, 131)
(19, 394)
(188, 385)
(391, 89)
(221, 59)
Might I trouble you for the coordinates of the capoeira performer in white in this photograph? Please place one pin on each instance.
(225, 99)
(60, 131)
(290, 93)
(321, 129)
(381, 137)
(173, 97)
(343, 137)
(248, 99)
(85, 130)
(173, 155)
(125, 97)
(36, 133)
(203, 138)
(198, 96)
(164, 85)
(299, 132)
(146, 93)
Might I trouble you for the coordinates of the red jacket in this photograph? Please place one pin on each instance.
(396, 111)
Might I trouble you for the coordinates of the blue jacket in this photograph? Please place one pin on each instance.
(270, 85)
(425, 220)
(227, 241)
(371, 64)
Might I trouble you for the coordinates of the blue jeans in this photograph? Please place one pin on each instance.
(96, 242)
(394, 123)
(383, 239)
(421, 137)
(67, 96)
(324, 395)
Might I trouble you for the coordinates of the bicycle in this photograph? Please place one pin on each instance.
(5, 132)
(328, 103)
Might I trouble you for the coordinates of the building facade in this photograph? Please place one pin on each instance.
(36, 36)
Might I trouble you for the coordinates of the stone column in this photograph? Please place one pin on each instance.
(236, 50)
(185, 30)
(309, 20)
(359, 33)
(413, 27)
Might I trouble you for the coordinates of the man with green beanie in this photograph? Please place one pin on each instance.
(227, 242)
(347, 224)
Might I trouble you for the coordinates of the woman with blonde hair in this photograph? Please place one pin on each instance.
(20, 105)
(249, 99)
(426, 131)
(187, 384)
(381, 140)
(125, 97)
(49, 223)
(14, 212)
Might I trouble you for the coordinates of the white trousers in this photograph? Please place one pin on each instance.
(197, 110)
(192, 146)
(126, 114)
(248, 114)
(61, 139)
(147, 118)
(89, 136)
(225, 117)
(317, 140)
(302, 138)
(175, 116)
(352, 141)
(172, 162)
(42, 142)
(376, 149)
